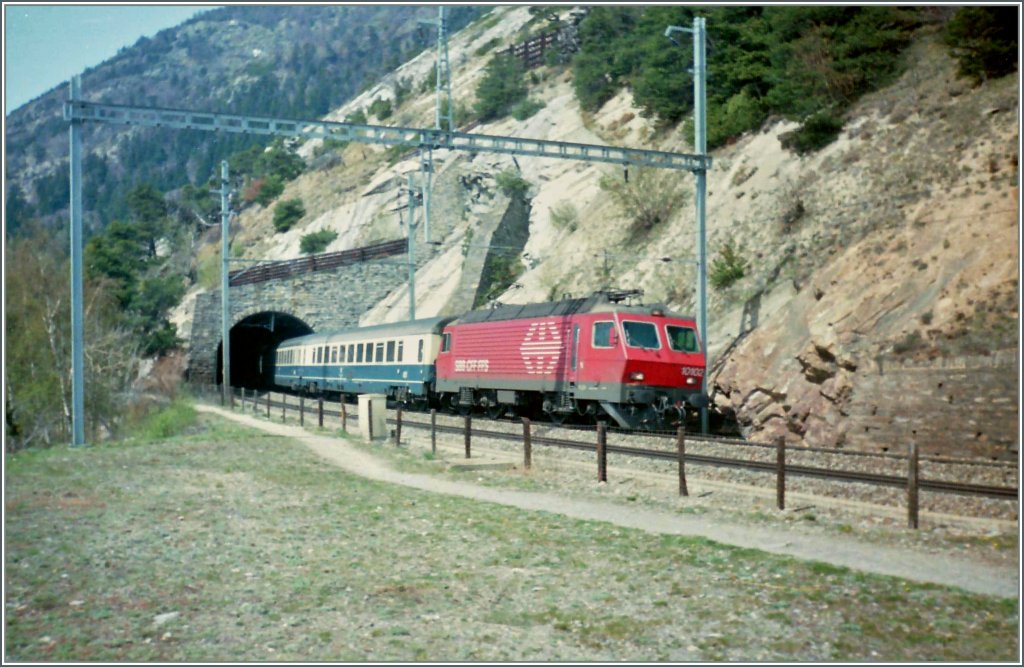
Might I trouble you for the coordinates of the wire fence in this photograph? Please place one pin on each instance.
(331, 414)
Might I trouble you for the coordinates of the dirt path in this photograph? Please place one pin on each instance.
(836, 550)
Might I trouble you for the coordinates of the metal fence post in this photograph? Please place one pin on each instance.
(302, 410)
(398, 426)
(268, 405)
(320, 411)
(681, 447)
(527, 444)
(284, 406)
(780, 471)
(469, 423)
(369, 419)
(602, 461)
(344, 416)
(912, 507)
(433, 431)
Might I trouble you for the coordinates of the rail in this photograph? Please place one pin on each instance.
(912, 481)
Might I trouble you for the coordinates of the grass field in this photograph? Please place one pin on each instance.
(227, 545)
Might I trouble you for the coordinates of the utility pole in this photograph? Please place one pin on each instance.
(443, 94)
(77, 311)
(225, 301)
(412, 248)
(700, 124)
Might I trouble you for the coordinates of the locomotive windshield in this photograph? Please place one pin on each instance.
(641, 334)
(682, 339)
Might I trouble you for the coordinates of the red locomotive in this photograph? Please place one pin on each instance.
(590, 357)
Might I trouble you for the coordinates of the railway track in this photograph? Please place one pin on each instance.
(763, 466)
(750, 464)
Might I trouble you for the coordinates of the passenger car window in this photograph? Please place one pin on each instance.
(603, 334)
(641, 334)
(391, 351)
(682, 339)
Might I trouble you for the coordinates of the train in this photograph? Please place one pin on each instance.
(589, 358)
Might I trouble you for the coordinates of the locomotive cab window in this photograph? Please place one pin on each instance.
(641, 334)
(603, 334)
(682, 339)
(446, 342)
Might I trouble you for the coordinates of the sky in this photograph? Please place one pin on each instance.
(45, 44)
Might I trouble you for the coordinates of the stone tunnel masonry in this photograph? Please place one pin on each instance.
(323, 301)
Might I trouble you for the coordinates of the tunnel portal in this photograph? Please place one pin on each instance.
(253, 341)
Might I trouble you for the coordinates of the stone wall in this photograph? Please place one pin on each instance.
(961, 406)
(324, 300)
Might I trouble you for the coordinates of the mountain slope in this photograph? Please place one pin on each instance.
(284, 61)
(894, 245)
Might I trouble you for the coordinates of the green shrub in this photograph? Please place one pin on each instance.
(357, 117)
(818, 131)
(984, 41)
(165, 422)
(501, 88)
(564, 216)
(287, 213)
(490, 44)
(266, 190)
(512, 183)
(526, 108)
(728, 267)
(649, 197)
(316, 241)
(380, 108)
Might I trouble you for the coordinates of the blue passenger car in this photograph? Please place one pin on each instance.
(393, 359)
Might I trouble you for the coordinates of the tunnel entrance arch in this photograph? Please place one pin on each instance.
(253, 340)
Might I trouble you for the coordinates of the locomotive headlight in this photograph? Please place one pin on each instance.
(636, 376)
(691, 380)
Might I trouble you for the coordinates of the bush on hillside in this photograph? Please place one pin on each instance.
(502, 87)
(512, 183)
(818, 131)
(984, 41)
(287, 213)
(728, 267)
(315, 242)
(648, 198)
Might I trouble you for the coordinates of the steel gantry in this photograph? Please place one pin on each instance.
(78, 111)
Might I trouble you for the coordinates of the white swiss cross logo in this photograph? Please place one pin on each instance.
(541, 347)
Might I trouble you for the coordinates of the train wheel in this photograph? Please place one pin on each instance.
(495, 411)
(557, 418)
